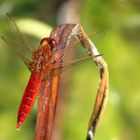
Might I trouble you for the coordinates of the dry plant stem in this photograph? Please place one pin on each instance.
(49, 87)
(102, 91)
(46, 108)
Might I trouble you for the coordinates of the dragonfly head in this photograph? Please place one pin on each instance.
(48, 42)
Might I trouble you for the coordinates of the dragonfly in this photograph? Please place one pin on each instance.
(46, 63)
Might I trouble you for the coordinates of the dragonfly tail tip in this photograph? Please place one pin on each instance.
(18, 129)
(19, 125)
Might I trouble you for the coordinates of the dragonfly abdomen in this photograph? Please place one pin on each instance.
(28, 97)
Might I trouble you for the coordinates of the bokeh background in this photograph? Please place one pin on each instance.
(119, 42)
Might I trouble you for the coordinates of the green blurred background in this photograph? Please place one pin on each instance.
(120, 45)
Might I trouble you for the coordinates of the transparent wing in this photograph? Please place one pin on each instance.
(18, 42)
(74, 54)
(56, 70)
(93, 36)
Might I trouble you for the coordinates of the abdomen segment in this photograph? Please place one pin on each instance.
(28, 97)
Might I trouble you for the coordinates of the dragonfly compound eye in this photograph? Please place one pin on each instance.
(53, 43)
(44, 42)
(48, 42)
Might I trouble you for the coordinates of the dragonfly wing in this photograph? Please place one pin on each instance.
(46, 108)
(18, 42)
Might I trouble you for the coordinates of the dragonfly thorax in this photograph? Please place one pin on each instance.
(43, 56)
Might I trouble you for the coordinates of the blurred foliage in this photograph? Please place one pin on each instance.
(120, 21)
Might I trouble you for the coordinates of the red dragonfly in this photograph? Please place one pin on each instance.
(46, 64)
